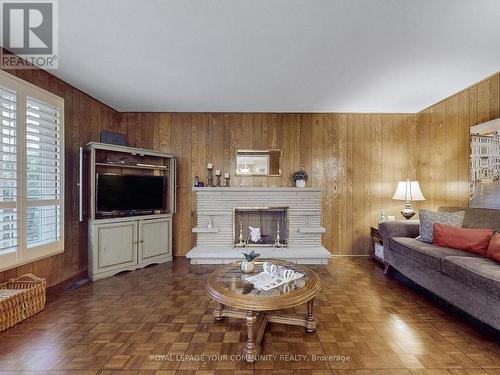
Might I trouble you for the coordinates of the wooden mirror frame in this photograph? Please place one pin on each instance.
(260, 152)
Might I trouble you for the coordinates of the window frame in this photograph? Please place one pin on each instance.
(24, 254)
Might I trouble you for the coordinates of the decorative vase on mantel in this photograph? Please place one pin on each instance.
(248, 265)
(300, 183)
(300, 178)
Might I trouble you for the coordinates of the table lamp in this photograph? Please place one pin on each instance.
(408, 191)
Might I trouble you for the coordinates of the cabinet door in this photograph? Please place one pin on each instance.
(117, 244)
(155, 239)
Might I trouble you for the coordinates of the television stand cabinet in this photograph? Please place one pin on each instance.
(126, 242)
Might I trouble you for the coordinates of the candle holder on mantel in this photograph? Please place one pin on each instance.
(217, 178)
(227, 179)
(210, 175)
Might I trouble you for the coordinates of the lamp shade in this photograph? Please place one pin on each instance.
(408, 191)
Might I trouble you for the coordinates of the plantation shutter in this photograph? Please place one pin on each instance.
(31, 172)
(8, 176)
(43, 173)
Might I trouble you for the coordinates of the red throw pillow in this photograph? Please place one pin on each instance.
(472, 240)
(494, 247)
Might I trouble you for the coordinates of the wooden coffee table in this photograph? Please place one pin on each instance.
(238, 298)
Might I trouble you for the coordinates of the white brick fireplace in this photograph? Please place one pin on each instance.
(218, 231)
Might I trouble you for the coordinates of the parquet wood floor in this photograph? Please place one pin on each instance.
(115, 325)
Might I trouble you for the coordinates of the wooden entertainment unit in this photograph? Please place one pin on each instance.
(120, 241)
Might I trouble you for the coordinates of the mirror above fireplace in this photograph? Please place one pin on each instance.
(258, 162)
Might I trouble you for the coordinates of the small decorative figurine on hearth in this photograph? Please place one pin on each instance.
(255, 235)
(226, 180)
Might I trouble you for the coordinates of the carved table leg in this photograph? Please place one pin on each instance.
(218, 312)
(311, 323)
(251, 348)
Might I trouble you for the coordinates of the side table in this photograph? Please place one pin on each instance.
(377, 248)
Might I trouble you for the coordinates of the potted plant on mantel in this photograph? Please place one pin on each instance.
(247, 265)
(300, 178)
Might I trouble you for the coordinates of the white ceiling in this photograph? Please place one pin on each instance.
(277, 55)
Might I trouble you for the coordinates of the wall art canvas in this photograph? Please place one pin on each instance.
(484, 166)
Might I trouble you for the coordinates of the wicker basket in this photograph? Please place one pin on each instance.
(21, 298)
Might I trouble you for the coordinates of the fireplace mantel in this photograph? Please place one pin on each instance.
(214, 228)
(250, 188)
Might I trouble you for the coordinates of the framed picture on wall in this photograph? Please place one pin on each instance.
(484, 166)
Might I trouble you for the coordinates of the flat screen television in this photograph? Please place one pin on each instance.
(127, 194)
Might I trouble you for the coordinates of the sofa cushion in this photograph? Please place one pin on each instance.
(476, 272)
(424, 253)
(467, 239)
(483, 218)
(429, 218)
(493, 251)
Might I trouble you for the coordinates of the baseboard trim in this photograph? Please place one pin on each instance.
(58, 288)
(351, 255)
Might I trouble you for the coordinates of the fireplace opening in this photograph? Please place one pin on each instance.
(267, 226)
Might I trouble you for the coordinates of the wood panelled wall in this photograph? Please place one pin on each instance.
(84, 118)
(443, 142)
(356, 158)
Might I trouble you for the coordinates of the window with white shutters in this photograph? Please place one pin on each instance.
(31, 172)
(43, 172)
(8, 173)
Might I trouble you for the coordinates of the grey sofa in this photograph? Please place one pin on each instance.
(463, 279)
